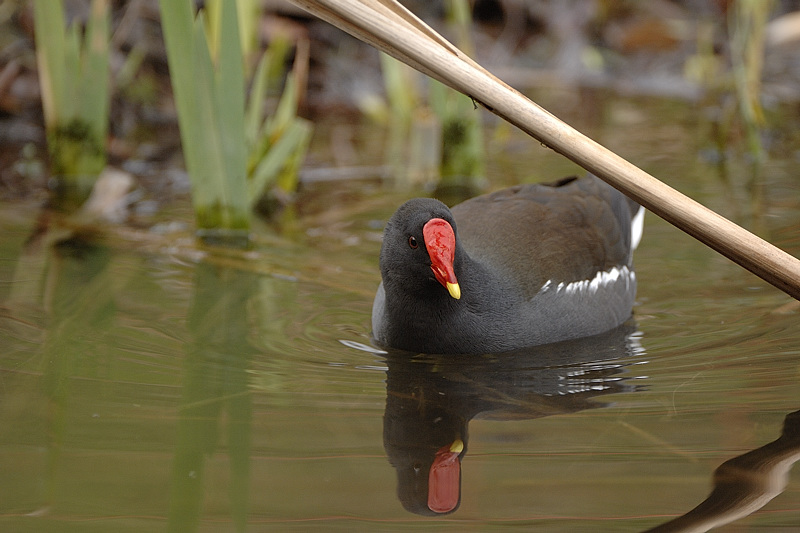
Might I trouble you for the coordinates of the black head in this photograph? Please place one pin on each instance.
(404, 258)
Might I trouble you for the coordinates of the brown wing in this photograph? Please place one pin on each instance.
(564, 232)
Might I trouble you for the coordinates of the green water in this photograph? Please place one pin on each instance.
(149, 385)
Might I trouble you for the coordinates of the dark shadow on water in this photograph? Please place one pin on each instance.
(744, 484)
(431, 399)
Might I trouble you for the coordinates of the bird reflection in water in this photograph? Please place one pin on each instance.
(431, 399)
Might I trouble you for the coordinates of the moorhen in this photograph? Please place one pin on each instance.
(523, 266)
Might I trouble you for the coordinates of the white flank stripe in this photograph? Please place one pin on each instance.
(601, 280)
(637, 228)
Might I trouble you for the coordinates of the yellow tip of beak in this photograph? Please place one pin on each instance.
(454, 290)
(457, 446)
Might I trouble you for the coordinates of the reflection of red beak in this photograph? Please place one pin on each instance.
(440, 241)
(444, 478)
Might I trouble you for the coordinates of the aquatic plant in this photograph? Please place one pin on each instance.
(437, 139)
(278, 143)
(74, 81)
(747, 28)
(733, 84)
(434, 139)
(232, 154)
(462, 137)
(413, 147)
(247, 11)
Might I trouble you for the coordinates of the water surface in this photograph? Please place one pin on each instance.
(151, 385)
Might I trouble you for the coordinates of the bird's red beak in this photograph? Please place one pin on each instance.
(440, 242)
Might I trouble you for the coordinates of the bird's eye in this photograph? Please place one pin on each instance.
(412, 242)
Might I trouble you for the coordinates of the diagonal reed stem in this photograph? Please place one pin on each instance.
(390, 27)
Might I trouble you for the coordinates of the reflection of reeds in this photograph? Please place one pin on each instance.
(73, 76)
(224, 143)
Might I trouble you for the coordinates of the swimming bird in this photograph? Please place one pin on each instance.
(522, 266)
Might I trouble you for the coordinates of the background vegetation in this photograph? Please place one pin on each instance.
(239, 83)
